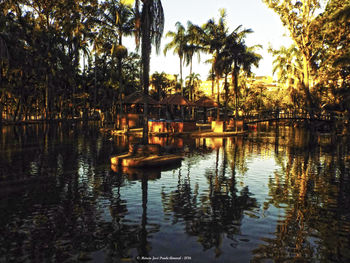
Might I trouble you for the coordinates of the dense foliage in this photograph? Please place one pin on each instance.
(65, 59)
(316, 67)
(59, 59)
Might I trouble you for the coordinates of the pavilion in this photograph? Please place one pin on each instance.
(173, 116)
(206, 103)
(133, 104)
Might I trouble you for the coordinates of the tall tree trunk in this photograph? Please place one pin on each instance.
(235, 86)
(73, 101)
(191, 90)
(2, 103)
(212, 80)
(191, 66)
(1, 109)
(306, 86)
(95, 82)
(121, 84)
(121, 90)
(181, 79)
(218, 97)
(226, 98)
(145, 53)
(17, 110)
(47, 97)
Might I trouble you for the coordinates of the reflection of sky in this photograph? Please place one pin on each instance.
(82, 171)
(93, 194)
(86, 175)
(260, 170)
(261, 166)
(260, 223)
(33, 168)
(255, 224)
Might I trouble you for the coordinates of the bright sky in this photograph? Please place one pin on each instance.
(252, 14)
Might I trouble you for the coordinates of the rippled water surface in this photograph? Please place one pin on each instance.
(274, 195)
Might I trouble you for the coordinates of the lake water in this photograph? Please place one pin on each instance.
(275, 195)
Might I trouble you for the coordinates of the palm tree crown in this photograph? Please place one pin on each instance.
(178, 43)
(149, 28)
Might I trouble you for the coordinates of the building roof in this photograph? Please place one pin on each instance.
(206, 102)
(139, 97)
(176, 99)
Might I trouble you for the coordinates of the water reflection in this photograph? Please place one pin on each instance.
(313, 188)
(125, 239)
(215, 214)
(274, 195)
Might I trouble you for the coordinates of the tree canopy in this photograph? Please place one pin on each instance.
(66, 59)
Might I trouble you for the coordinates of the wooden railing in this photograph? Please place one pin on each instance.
(285, 115)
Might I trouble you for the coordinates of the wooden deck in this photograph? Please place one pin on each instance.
(135, 131)
(217, 134)
(199, 133)
(129, 160)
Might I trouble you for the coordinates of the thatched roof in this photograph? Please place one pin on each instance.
(139, 97)
(176, 99)
(206, 102)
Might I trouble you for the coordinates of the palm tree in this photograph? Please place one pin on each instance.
(4, 58)
(211, 77)
(193, 44)
(213, 40)
(118, 21)
(222, 66)
(288, 66)
(193, 81)
(70, 31)
(150, 27)
(236, 55)
(161, 84)
(177, 43)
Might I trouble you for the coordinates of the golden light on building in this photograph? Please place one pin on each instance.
(207, 87)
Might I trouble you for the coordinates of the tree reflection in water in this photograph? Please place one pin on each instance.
(55, 215)
(216, 215)
(270, 196)
(124, 237)
(313, 187)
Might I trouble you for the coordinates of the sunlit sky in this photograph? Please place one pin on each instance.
(252, 14)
